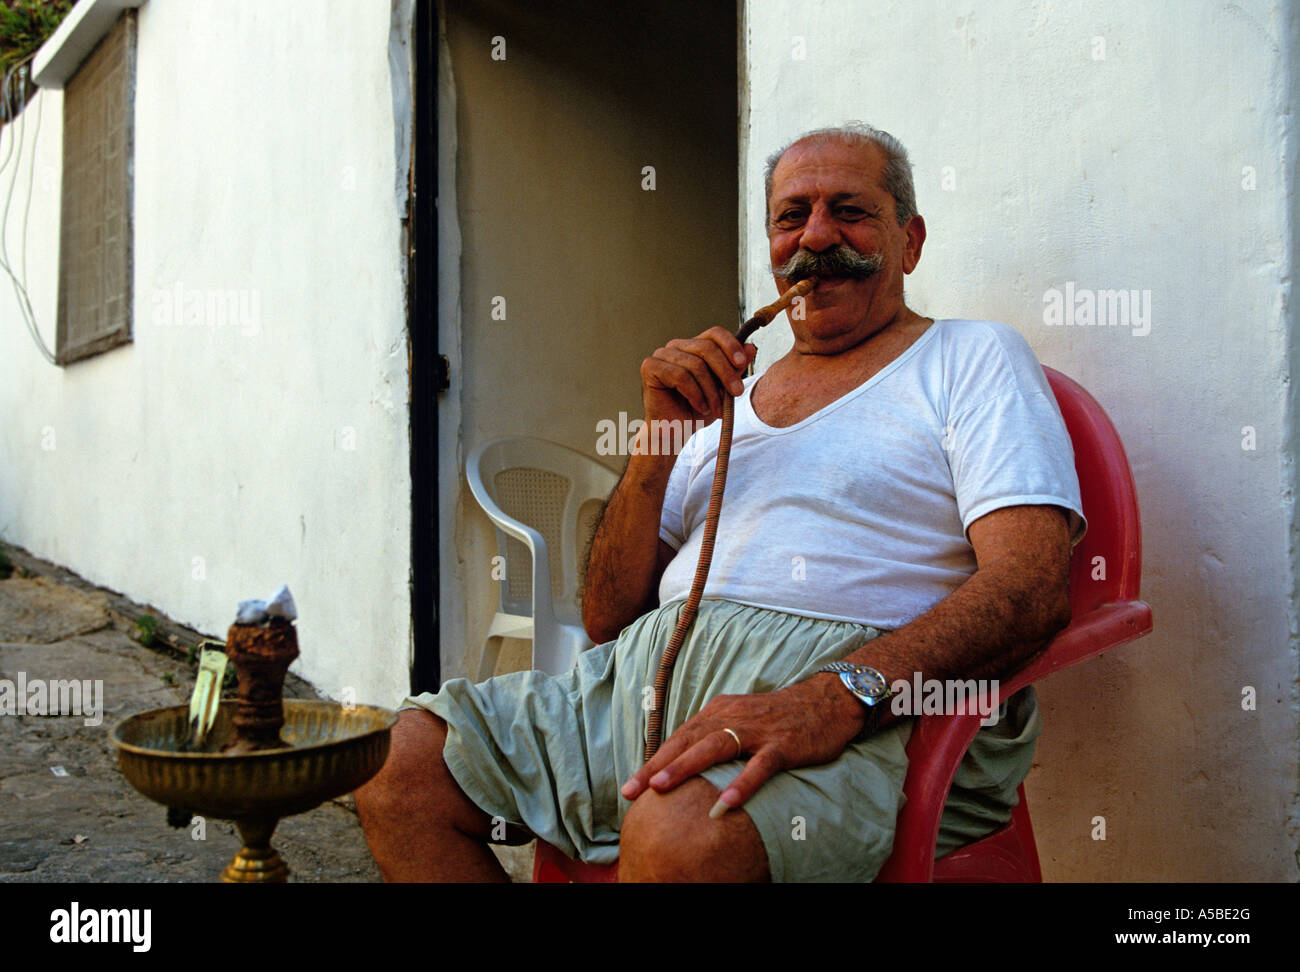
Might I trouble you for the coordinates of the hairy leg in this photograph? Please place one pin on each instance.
(418, 822)
(670, 837)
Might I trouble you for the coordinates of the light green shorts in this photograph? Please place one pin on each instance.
(549, 753)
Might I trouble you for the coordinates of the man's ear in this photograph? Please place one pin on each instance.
(914, 234)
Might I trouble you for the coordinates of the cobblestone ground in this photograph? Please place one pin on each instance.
(68, 813)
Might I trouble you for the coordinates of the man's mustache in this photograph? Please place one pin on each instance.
(838, 261)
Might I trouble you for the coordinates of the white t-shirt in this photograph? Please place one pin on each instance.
(860, 511)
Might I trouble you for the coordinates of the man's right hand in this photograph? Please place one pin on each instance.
(684, 380)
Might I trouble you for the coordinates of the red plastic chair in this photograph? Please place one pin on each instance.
(1106, 613)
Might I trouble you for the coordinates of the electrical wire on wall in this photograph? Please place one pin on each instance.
(10, 107)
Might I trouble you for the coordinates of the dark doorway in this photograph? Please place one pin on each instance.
(591, 154)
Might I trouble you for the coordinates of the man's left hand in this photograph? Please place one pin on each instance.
(802, 725)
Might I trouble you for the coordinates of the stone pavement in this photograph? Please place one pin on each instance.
(66, 813)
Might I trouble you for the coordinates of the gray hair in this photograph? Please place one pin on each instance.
(897, 177)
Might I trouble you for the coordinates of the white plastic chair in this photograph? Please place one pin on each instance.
(545, 500)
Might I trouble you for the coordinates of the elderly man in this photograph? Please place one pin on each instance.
(902, 500)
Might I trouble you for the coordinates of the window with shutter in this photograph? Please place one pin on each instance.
(95, 232)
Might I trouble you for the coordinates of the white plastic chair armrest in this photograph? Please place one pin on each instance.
(544, 620)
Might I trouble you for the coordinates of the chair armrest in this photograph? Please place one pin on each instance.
(1097, 632)
(543, 607)
(938, 743)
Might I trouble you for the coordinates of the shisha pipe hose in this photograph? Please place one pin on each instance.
(654, 728)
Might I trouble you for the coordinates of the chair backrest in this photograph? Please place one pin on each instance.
(557, 491)
(1106, 566)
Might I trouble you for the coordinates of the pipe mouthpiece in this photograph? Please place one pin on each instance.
(802, 289)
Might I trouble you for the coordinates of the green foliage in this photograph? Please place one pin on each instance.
(146, 629)
(6, 565)
(24, 26)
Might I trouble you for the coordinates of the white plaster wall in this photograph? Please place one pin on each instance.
(276, 449)
(1122, 171)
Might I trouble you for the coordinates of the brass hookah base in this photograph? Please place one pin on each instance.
(257, 861)
(263, 759)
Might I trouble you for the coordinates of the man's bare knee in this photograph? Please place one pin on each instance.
(415, 782)
(418, 822)
(670, 837)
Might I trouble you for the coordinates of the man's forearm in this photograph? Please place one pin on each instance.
(622, 566)
(989, 628)
(682, 385)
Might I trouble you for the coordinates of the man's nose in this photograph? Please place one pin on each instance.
(821, 231)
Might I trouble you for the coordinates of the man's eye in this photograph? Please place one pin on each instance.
(851, 212)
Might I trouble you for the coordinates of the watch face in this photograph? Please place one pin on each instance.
(869, 683)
